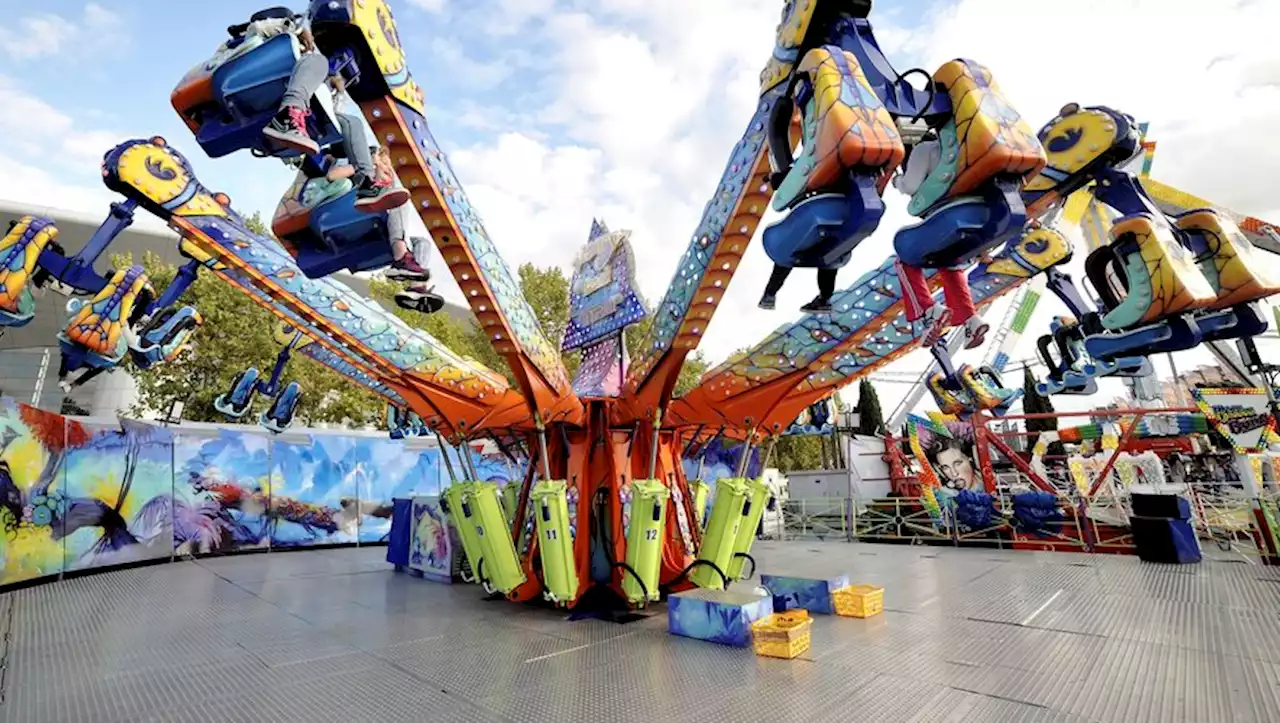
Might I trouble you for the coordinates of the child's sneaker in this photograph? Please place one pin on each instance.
(975, 332)
(420, 297)
(935, 322)
(819, 305)
(406, 268)
(289, 128)
(768, 302)
(376, 195)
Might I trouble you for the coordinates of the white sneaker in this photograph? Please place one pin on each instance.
(935, 322)
(975, 332)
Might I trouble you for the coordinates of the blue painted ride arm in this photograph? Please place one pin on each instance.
(1124, 193)
(270, 386)
(77, 271)
(176, 288)
(900, 98)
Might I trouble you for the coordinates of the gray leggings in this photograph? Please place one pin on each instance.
(355, 144)
(396, 223)
(308, 75)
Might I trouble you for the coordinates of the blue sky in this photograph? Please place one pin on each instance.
(557, 111)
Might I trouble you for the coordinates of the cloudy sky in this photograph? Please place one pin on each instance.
(557, 111)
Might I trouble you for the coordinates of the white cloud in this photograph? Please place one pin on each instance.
(49, 35)
(662, 89)
(431, 6)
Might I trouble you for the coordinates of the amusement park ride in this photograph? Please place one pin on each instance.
(606, 447)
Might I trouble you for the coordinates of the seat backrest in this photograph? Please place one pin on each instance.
(984, 138)
(845, 127)
(98, 326)
(1145, 244)
(1238, 272)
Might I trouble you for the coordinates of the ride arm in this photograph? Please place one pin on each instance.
(426, 374)
(393, 104)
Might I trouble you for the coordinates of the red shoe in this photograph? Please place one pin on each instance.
(406, 268)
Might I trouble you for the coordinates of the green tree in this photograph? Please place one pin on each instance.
(236, 335)
(870, 418)
(1033, 403)
(797, 453)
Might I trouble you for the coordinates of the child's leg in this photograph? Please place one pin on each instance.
(955, 289)
(774, 285)
(356, 145)
(915, 290)
(396, 233)
(403, 265)
(827, 283)
(307, 77)
(289, 126)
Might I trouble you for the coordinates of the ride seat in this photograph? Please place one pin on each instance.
(1234, 267)
(331, 234)
(849, 141)
(20, 251)
(963, 229)
(984, 138)
(230, 98)
(97, 328)
(1156, 275)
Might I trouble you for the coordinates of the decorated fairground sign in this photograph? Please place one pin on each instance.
(1242, 415)
(602, 295)
(817, 418)
(945, 453)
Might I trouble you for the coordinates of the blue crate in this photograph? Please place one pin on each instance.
(718, 616)
(804, 593)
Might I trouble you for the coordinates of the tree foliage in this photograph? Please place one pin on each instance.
(797, 453)
(237, 334)
(870, 418)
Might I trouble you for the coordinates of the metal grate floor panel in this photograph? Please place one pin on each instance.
(335, 635)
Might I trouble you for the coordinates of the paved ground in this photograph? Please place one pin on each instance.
(969, 635)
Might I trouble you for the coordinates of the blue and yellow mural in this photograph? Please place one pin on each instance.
(80, 495)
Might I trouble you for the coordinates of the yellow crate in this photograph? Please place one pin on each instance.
(859, 601)
(782, 635)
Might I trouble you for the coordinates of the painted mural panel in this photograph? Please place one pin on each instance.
(221, 492)
(33, 447)
(119, 496)
(397, 471)
(431, 545)
(314, 490)
(951, 485)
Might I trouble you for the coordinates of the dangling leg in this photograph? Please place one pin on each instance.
(919, 303)
(771, 289)
(955, 289)
(289, 126)
(826, 289)
(404, 267)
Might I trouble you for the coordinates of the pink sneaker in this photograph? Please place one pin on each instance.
(289, 129)
(374, 195)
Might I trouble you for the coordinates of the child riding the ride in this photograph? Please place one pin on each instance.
(920, 161)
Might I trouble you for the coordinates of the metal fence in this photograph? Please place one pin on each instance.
(1224, 520)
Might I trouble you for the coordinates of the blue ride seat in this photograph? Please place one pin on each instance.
(823, 230)
(961, 230)
(95, 336)
(333, 235)
(228, 100)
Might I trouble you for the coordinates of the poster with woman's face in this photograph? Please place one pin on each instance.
(945, 452)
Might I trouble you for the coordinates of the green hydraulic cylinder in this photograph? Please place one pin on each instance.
(644, 540)
(501, 561)
(457, 499)
(752, 512)
(555, 540)
(510, 499)
(699, 490)
(721, 534)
